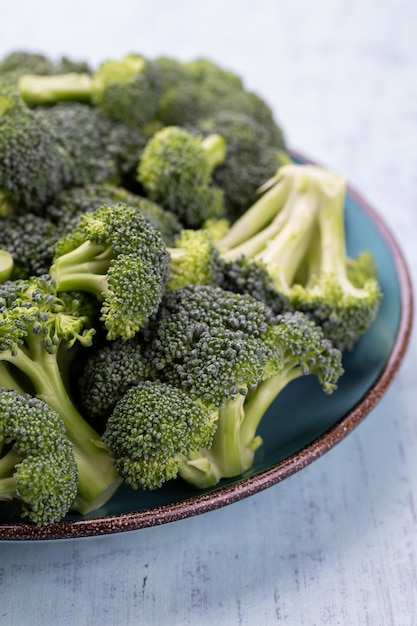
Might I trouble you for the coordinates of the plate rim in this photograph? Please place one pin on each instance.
(247, 486)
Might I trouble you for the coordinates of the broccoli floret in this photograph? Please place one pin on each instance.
(126, 89)
(302, 351)
(233, 355)
(115, 254)
(30, 240)
(175, 170)
(209, 341)
(194, 260)
(151, 427)
(84, 134)
(108, 373)
(22, 62)
(99, 149)
(37, 467)
(200, 89)
(251, 158)
(33, 166)
(71, 204)
(296, 232)
(37, 328)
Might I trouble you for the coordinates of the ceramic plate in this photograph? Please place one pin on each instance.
(317, 422)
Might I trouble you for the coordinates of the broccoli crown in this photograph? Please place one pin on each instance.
(32, 165)
(211, 342)
(127, 89)
(115, 254)
(84, 134)
(30, 240)
(300, 349)
(200, 89)
(31, 310)
(107, 375)
(71, 204)
(151, 426)
(251, 158)
(22, 62)
(175, 170)
(43, 475)
(306, 347)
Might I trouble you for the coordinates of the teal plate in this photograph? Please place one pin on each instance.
(295, 431)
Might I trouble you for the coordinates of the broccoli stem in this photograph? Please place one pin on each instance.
(215, 149)
(333, 258)
(39, 90)
(8, 463)
(258, 216)
(6, 265)
(83, 268)
(235, 440)
(97, 476)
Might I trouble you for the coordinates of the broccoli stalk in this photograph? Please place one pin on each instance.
(36, 324)
(295, 232)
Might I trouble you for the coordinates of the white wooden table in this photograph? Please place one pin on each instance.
(335, 544)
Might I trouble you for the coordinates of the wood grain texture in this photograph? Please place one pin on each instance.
(335, 544)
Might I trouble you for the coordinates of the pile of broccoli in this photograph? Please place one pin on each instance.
(166, 271)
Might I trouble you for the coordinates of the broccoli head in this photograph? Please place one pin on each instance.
(33, 167)
(30, 240)
(71, 204)
(37, 464)
(151, 427)
(115, 254)
(175, 170)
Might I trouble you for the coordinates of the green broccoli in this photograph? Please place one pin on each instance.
(194, 260)
(37, 464)
(99, 149)
(37, 326)
(301, 349)
(251, 159)
(175, 170)
(200, 89)
(108, 373)
(21, 62)
(127, 89)
(151, 428)
(226, 351)
(296, 233)
(33, 167)
(71, 204)
(115, 254)
(30, 240)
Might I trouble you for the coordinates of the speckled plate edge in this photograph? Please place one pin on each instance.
(248, 486)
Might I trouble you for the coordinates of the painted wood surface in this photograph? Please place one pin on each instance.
(336, 544)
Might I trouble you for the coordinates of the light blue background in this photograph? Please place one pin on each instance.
(335, 544)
